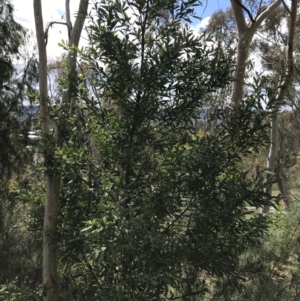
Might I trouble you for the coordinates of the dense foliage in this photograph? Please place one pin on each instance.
(149, 205)
(155, 204)
(19, 249)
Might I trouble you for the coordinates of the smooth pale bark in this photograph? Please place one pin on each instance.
(240, 71)
(50, 278)
(43, 80)
(272, 157)
(68, 101)
(52, 183)
(245, 35)
(68, 18)
(287, 79)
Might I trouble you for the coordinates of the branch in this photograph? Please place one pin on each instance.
(74, 41)
(290, 50)
(265, 14)
(78, 25)
(260, 9)
(49, 25)
(246, 10)
(286, 7)
(288, 76)
(239, 17)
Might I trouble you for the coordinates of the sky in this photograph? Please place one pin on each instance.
(210, 6)
(53, 10)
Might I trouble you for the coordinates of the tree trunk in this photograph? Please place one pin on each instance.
(52, 183)
(246, 33)
(272, 157)
(239, 76)
(68, 97)
(274, 143)
(50, 278)
(283, 187)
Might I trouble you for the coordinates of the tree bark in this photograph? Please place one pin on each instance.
(286, 81)
(245, 35)
(50, 278)
(52, 182)
(240, 71)
(272, 157)
(283, 187)
(43, 81)
(68, 100)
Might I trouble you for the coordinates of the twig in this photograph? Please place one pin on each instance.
(286, 7)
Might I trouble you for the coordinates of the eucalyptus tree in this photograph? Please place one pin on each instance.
(50, 279)
(245, 38)
(249, 16)
(13, 88)
(246, 30)
(15, 85)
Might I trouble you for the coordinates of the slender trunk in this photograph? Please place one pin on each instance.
(52, 183)
(69, 99)
(246, 33)
(282, 179)
(43, 81)
(283, 187)
(239, 76)
(274, 146)
(50, 279)
(272, 157)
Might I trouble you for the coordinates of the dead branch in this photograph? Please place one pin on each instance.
(50, 25)
(246, 10)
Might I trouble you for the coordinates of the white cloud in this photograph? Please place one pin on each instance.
(203, 23)
(53, 10)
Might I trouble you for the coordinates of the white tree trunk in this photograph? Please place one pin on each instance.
(68, 100)
(286, 82)
(240, 71)
(245, 33)
(272, 157)
(50, 279)
(52, 183)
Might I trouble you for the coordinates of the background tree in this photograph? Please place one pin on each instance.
(246, 33)
(18, 248)
(245, 41)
